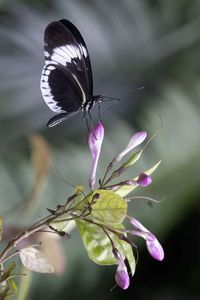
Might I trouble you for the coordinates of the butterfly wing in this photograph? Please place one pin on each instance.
(65, 82)
(83, 49)
(59, 118)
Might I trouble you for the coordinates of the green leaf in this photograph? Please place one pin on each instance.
(35, 260)
(61, 223)
(98, 245)
(126, 189)
(130, 257)
(12, 285)
(109, 208)
(63, 226)
(7, 273)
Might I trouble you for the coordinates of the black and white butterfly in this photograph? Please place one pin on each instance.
(66, 82)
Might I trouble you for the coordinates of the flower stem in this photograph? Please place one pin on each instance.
(13, 243)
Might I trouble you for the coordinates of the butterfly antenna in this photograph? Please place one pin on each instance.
(115, 99)
(61, 176)
(155, 134)
(108, 99)
(134, 90)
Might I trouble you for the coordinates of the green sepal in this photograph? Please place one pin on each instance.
(126, 189)
(133, 159)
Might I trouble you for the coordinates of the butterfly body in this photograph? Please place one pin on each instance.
(66, 81)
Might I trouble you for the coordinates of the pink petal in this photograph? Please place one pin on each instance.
(153, 246)
(95, 140)
(155, 249)
(121, 277)
(135, 140)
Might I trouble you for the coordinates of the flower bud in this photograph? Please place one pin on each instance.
(121, 277)
(95, 140)
(144, 180)
(135, 140)
(153, 246)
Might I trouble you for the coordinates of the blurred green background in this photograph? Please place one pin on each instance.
(132, 43)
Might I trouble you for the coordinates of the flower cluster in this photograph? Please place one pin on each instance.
(98, 216)
(123, 188)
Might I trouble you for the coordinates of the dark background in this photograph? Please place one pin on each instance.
(132, 43)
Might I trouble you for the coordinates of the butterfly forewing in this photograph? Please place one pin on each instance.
(83, 49)
(66, 81)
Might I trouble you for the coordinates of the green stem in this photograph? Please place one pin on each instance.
(39, 226)
(25, 234)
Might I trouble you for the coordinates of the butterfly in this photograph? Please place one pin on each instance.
(66, 81)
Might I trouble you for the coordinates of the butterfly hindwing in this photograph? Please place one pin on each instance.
(59, 118)
(61, 91)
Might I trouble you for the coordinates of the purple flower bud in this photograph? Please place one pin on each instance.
(155, 249)
(135, 140)
(121, 277)
(95, 140)
(153, 246)
(144, 180)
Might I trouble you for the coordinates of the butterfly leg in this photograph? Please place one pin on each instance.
(90, 120)
(99, 111)
(87, 125)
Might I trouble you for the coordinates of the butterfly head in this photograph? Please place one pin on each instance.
(97, 99)
(94, 99)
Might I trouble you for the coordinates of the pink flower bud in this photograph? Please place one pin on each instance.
(135, 140)
(144, 180)
(121, 277)
(153, 246)
(155, 249)
(95, 140)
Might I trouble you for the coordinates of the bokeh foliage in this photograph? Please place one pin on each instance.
(132, 43)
